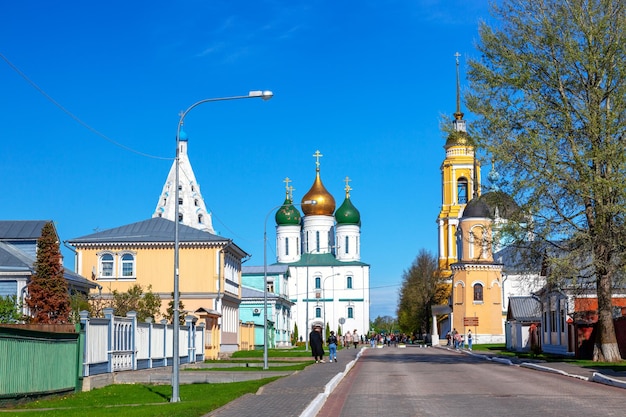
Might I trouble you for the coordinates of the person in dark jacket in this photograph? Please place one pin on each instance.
(316, 341)
(332, 346)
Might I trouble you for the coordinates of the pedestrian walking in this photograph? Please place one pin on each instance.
(469, 339)
(332, 347)
(348, 340)
(355, 339)
(317, 344)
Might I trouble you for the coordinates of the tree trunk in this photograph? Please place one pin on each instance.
(605, 348)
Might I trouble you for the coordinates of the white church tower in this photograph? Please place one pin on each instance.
(192, 210)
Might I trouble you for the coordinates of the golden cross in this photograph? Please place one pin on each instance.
(317, 156)
(348, 188)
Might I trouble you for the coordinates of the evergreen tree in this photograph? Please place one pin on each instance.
(549, 91)
(48, 299)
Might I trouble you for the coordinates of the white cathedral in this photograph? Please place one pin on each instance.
(327, 281)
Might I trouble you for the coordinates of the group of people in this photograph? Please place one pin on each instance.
(455, 338)
(316, 341)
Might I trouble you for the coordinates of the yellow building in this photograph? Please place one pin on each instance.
(143, 253)
(465, 243)
(476, 278)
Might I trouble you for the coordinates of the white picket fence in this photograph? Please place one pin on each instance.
(122, 343)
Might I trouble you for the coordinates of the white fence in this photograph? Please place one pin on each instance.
(122, 344)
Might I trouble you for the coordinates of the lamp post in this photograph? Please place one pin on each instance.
(265, 95)
(324, 293)
(306, 202)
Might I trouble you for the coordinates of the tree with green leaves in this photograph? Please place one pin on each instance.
(10, 310)
(48, 298)
(421, 289)
(169, 315)
(549, 93)
(384, 324)
(145, 304)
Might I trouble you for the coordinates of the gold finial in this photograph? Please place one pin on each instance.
(291, 190)
(287, 181)
(347, 187)
(317, 156)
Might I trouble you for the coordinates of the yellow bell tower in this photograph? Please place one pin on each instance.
(460, 176)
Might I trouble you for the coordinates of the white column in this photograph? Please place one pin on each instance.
(435, 332)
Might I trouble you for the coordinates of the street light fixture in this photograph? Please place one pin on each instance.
(324, 294)
(304, 203)
(265, 95)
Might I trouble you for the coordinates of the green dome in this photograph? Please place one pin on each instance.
(347, 213)
(287, 214)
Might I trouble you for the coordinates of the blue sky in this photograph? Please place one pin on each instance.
(365, 82)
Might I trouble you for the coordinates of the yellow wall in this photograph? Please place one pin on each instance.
(155, 266)
(477, 267)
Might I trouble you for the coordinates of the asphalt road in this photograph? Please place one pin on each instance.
(436, 382)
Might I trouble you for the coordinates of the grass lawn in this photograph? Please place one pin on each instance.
(500, 350)
(273, 353)
(134, 400)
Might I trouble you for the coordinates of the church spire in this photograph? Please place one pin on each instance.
(459, 123)
(192, 209)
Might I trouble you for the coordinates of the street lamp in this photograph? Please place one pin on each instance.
(304, 203)
(324, 293)
(265, 95)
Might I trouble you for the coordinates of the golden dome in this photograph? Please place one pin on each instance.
(325, 203)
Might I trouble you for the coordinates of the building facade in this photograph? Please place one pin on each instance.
(327, 281)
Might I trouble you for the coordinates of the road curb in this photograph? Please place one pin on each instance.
(316, 405)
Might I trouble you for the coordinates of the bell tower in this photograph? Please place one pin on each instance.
(460, 175)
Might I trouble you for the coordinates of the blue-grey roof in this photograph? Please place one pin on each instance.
(322, 259)
(260, 270)
(14, 260)
(247, 292)
(13, 230)
(524, 309)
(154, 230)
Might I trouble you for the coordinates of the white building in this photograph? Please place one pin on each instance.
(328, 283)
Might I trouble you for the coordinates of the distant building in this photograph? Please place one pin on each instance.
(18, 254)
(279, 316)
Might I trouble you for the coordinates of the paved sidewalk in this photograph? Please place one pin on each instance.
(299, 394)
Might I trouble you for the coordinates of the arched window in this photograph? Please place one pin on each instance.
(317, 241)
(318, 312)
(180, 217)
(286, 246)
(461, 190)
(200, 218)
(106, 265)
(347, 245)
(478, 292)
(318, 282)
(128, 265)
(348, 282)
(350, 312)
